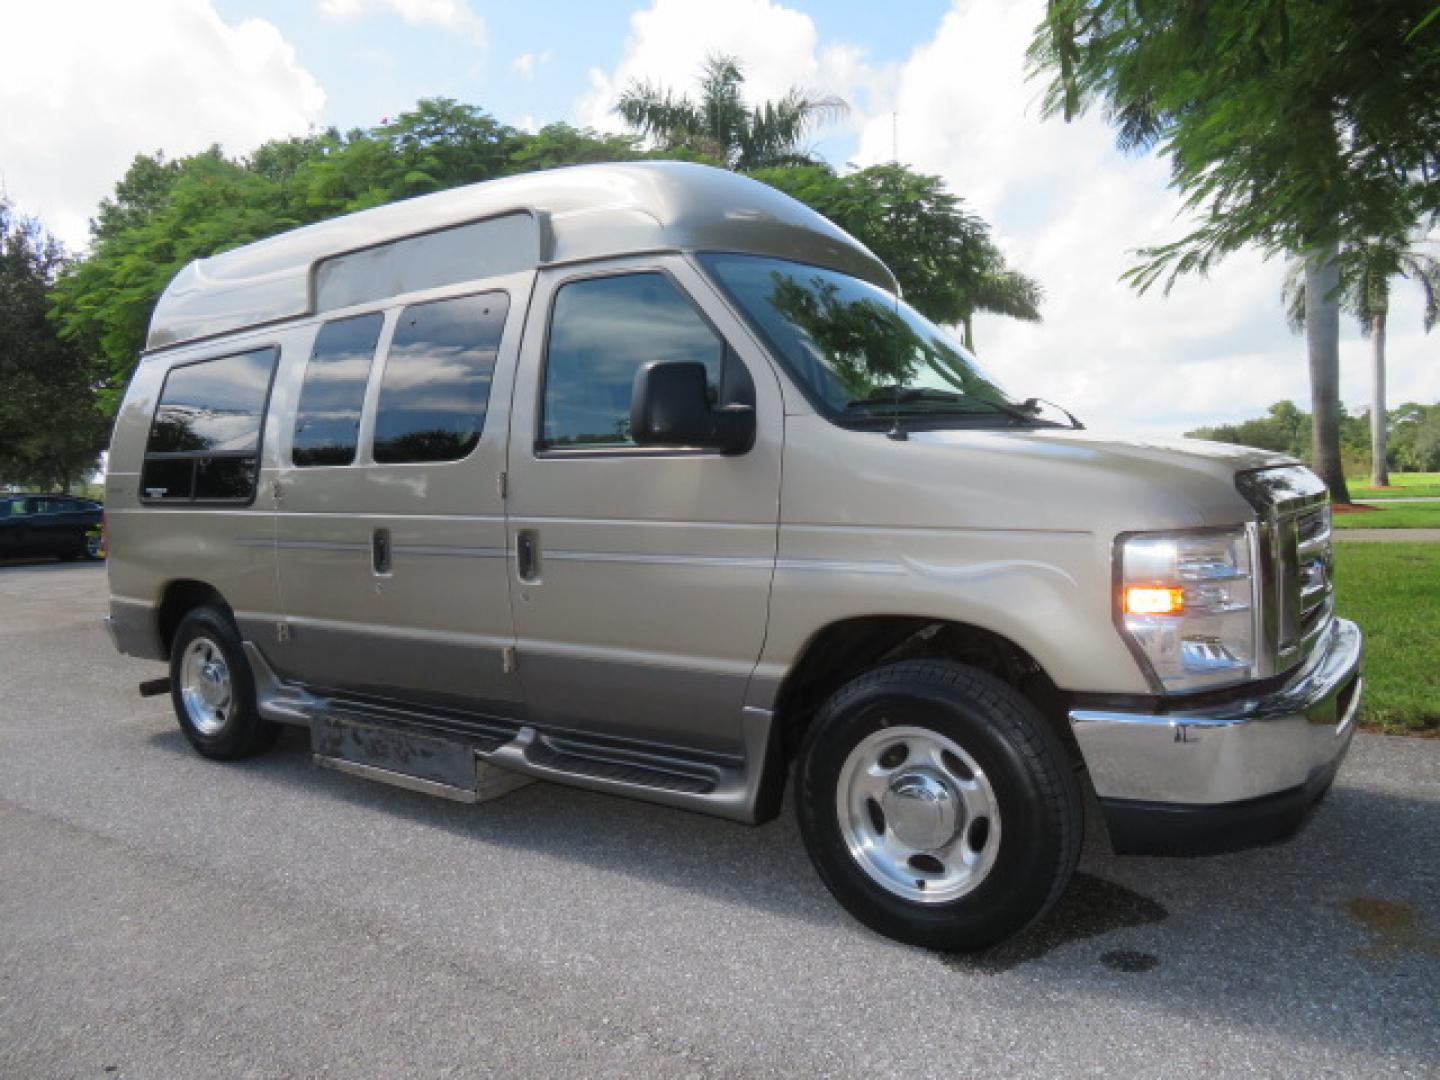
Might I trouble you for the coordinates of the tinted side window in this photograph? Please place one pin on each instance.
(215, 405)
(601, 331)
(327, 422)
(205, 438)
(437, 378)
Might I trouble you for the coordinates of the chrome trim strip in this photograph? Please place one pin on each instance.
(452, 552)
(741, 561)
(443, 637)
(840, 566)
(321, 545)
(922, 530)
(709, 526)
(356, 545)
(485, 519)
(637, 657)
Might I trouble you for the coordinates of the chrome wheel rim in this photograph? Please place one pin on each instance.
(918, 814)
(205, 686)
(92, 546)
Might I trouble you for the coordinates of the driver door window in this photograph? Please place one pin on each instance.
(602, 331)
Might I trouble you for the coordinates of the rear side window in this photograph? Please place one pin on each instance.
(327, 423)
(204, 442)
(437, 379)
(602, 330)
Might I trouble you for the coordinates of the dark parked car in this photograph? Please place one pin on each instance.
(60, 525)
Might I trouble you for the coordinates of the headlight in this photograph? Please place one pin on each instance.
(1184, 601)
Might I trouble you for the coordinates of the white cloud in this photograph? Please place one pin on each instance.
(178, 79)
(1066, 206)
(1069, 209)
(777, 47)
(527, 64)
(454, 15)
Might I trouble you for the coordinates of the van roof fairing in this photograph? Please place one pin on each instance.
(582, 212)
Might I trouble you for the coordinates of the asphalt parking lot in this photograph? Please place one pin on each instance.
(164, 916)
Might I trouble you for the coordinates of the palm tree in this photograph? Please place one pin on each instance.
(1365, 294)
(721, 125)
(1001, 291)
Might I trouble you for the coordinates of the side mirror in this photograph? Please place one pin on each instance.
(669, 406)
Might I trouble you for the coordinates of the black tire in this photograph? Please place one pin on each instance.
(1035, 788)
(241, 732)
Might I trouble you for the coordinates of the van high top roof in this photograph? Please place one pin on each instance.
(501, 226)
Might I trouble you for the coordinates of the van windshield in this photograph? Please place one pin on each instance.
(860, 353)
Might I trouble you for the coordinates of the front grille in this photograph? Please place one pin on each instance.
(1316, 559)
(1296, 562)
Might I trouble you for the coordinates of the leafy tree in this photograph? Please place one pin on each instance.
(942, 254)
(1284, 429)
(165, 213)
(1415, 437)
(721, 125)
(141, 192)
(1302, 129)
(51, 433)
(1367, 297)
(555, 145)
(103, 303)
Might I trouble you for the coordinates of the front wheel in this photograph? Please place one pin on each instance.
(213, 690)
(938, 806)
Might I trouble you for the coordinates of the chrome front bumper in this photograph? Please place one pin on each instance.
(1227, 776)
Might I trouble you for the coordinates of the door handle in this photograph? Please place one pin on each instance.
(527, 554)
(380, 550)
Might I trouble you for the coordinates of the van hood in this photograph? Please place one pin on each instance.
(1193, 471)
(1029, 479)
(1217, 458)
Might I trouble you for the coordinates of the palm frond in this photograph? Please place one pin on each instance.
(1292, 295)
(659, 115)
(1424, 270)
(721, 124)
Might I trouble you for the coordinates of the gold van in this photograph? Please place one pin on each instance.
(644, 478)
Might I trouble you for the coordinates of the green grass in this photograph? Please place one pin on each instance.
(1393, 592)
(1403, 485)
(1399, 516)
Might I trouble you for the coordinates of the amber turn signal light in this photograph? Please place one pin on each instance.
(1154, 600)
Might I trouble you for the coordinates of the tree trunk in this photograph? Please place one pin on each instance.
(967, 337)
(1322, 341)
(1379, 469)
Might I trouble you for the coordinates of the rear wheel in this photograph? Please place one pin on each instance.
(938, 806)
(213, 690)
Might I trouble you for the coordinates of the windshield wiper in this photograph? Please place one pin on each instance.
(1035, 403)
(910, 394)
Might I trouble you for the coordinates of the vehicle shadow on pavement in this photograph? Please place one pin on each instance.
(1220, 935)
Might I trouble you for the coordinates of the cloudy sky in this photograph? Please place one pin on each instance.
(940, 84)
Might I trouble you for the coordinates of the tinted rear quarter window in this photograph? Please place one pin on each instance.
(436, 386)
(204, 441)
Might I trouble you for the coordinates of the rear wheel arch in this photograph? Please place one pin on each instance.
(181, 597)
